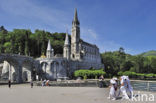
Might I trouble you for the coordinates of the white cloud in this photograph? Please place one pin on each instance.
(88, 34)
(92, 33)
(109, 46)
(93, 37)
(27, 9)
(113, 46)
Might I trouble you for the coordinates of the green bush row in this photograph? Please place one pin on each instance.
(89, 73)
(135, 75)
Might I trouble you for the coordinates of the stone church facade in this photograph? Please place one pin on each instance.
(77, 54)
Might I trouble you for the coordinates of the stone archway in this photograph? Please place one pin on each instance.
(27, 69)
(62, 69)
(22, 65)
(44, 70)
(44, 66)
(25, 76)
(10, 68)
(14, 77)
(54, 69)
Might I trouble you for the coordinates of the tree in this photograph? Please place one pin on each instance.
(153, 65)
(7, 47)
(121, 50)
(27, 43)
(3, 30)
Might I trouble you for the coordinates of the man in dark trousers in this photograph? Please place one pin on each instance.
(101, 81)
(31, 83)
(9, 83)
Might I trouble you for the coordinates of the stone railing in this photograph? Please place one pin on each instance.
(15, 55)
(73, 83)
(144, 85)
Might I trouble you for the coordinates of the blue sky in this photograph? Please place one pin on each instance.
(109, 24)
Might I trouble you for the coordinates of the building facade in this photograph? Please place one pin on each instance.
(77, 54)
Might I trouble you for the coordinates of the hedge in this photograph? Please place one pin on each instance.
(136, 75)
(150, 75)
(127, 73)
(89, 73)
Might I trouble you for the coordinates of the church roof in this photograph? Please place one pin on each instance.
(49, 46)
(89, 44)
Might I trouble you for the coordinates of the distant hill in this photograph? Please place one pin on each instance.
(149, 53)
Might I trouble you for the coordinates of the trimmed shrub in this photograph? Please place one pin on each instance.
(120, 73)
(85, 77)
(89, 73)
(127, 73)
(133, 75)
(136, 75)
(149, 75)
(140, 75)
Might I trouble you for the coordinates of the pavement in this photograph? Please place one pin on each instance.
(25, 94)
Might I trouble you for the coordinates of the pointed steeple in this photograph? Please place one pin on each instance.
(66, 49)
(49, 45)
(76, 17)
(67, 39)
(50, 51)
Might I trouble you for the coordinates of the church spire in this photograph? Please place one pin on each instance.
(75, 16)
(75, 36)
(49, 45)
(67, 39)
(66, 49)
(76, 21)
(50, 51)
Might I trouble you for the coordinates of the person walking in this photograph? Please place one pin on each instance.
(115, 85)
(9, 83)
(47, 83)
(44, 83)
(31, 83)
(129, 88)
(123, 82)
(101, 81)
(112, 93)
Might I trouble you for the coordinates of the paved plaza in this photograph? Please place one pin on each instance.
(25, 94)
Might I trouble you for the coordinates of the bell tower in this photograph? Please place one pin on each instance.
(75, 36)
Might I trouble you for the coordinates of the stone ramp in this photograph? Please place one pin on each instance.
(25, 94)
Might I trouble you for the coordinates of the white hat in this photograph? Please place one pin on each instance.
(115, 78)
(112, 81)
(124, 77)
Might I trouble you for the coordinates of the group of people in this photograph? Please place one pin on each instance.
(45, 83)
(125, 88)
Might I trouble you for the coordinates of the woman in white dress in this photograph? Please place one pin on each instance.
(129, 87)
(112, 94)
(123, 87)
(116, 85)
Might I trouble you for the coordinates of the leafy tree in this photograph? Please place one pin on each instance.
(3, 30)
(7, 47)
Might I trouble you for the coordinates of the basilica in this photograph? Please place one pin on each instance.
(77, 54)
